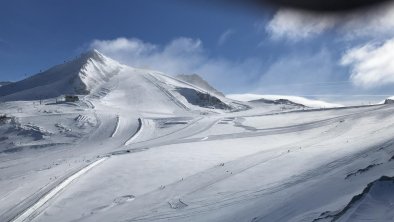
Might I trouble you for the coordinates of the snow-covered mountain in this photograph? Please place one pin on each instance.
(95, 75)
(79, 76)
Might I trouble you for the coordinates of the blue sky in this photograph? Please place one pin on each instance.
(37, 34)
(238, 49)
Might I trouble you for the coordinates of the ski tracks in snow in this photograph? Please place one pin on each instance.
(116, 126)
(136, 134)
(156, 82)
(30, 212)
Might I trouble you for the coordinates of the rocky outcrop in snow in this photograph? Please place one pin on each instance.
(278, 102)
(373, 202)
(202, 99)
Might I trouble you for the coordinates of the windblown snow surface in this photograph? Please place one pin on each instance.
(200, 82)
(293, 99)
(143, 146)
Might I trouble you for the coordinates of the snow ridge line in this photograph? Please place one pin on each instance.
(51, 194)
(186, 83)
(136, 134)
(116, 126)
(166, 92)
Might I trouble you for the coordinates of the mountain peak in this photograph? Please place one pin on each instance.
(93, 54)
(79, 76)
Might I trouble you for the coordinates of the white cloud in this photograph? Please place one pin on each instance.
(297, 25)
(294, 74)
(178, 56)
(225, 36)
(302, 73)
(120, 45)
(371, 64)
(182, 55)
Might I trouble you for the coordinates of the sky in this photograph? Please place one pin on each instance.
(238, 49)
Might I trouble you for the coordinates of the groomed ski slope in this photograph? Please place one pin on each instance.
(292, 176)
(31, 210)
(195, 173)
(169, 160)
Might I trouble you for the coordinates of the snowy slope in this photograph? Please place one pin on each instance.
(373, 203)
(195, 96)
(295, 166)
(200, 82)
(295, 99)
(97, 76)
